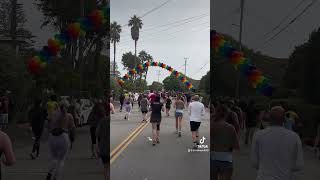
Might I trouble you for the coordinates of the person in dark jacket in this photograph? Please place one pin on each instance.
(93, 120)
(37, 117)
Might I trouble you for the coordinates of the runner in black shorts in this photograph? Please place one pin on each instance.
(144, 103)
(194, 126)
(156, 108)
(196, 112)
(168, 105)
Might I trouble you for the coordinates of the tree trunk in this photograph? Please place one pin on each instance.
(13, 24)
(114, 58)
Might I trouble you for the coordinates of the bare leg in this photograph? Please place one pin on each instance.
(177, 123)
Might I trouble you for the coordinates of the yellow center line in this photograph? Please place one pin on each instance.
(122, 148)
(121, 144)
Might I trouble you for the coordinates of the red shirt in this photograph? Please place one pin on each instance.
(152, 97)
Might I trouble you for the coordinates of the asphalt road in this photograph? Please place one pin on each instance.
(77, 166)
(169, 160)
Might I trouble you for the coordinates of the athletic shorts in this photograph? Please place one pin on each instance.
(179, 114)
(144, 112)
(194, 125)
(220, 166)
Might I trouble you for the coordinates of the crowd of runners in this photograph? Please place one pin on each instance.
(273, 134)
(59, 119)
(152, 104)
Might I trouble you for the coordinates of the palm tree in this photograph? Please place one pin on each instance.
(115, 30)
(136, 24)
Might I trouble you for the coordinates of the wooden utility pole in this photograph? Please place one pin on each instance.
(237, 93)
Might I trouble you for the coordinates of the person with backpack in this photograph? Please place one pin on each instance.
(144, 104)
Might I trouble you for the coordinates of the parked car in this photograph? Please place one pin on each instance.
(85, 107)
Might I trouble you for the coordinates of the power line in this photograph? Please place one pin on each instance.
(153, 37)
(156, 8)
(172, 27)
(152, 10)
(198, 71)
(285, 18)
(178, 21)
(173, 37)
(290, 23)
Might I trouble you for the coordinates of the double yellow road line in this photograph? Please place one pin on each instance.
(124, 144)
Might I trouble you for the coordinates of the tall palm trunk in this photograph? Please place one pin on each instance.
(135, 56)
(114, 58)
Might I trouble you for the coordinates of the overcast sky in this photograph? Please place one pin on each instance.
(168, 44)
(262, 16)
(171, 44)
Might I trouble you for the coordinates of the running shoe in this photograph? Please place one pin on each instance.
(179, 134)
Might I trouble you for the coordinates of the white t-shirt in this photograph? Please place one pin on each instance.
(276, 153)
(196, 111)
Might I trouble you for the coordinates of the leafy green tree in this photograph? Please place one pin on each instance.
(171, 83)
(129, 61)
(311, 87)
(156, 86)
(144, 57)
(15, 78)
(11, 10)
(204, 85)
(293, 77)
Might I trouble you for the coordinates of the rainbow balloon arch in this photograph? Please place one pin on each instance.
(92, 22)
(139, 68)
(236, 58)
